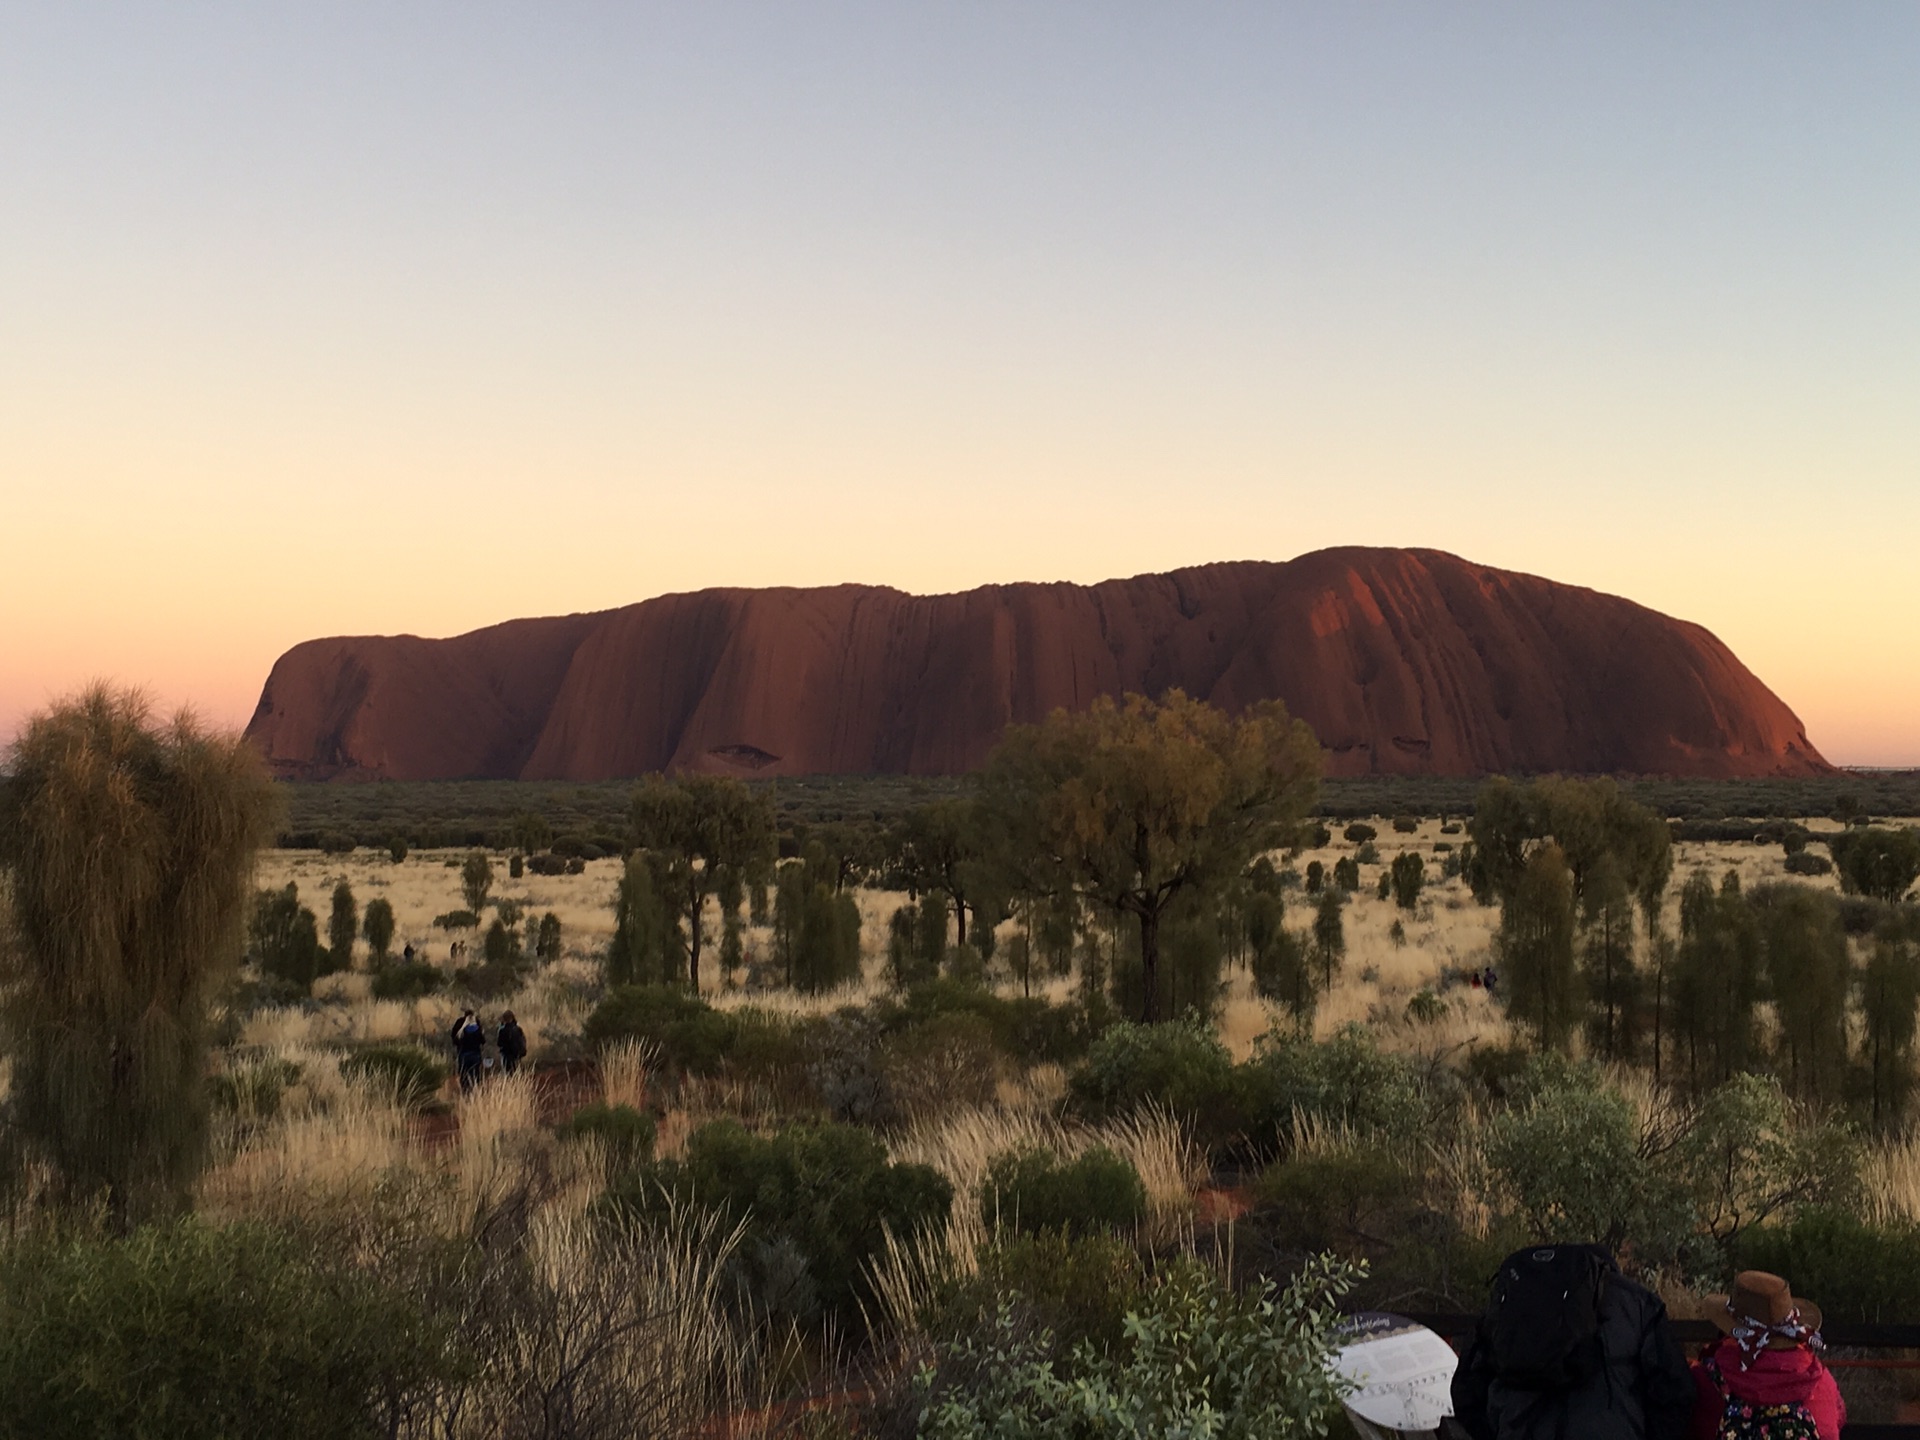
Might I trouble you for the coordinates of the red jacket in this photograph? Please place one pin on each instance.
(1776, 1377)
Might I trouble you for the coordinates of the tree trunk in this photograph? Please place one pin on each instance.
(1150, 966)
(959, 921)
(696, 907)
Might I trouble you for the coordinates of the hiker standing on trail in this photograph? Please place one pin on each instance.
(1570, 1349)
(469, 1045)
(512, 1041)
(1765, 1378)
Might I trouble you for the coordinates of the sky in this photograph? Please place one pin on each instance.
(409, 318)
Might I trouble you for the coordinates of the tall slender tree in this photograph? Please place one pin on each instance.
(1535, 945)
(1329, 935)
(476, 881)
(706, 825)
(343, 924)
(1612, 981)
(1717, 976)
(939, 848)
(377, 926)
(1889, 1000)
(127, 847)
(1809, 973)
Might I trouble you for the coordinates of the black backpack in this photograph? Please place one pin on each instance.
(1543, 1325)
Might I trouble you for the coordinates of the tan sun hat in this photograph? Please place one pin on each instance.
(1765, 1298)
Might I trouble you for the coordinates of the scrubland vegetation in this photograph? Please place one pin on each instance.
(1076, 1099)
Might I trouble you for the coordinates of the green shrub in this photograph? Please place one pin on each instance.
(627, 1133)
(1859, 1273)
(492, 979)
(947, 1061)
(194, 1331)
(1570, 1155)
(1197, 1359)
(1346, 1201)
(1405, 824)
(1181, 1066)
(1406, 877)
(397, 850)
(1034, 1191)
(1805, 862)
(1076, 1289)
(1425, 1007)
(335, 843)
(1367, 854)
(1346, 1081)
(549, 864)
(1748, 1155)
(407, 980)
(456, 920)
(688, 1033)
(416, 1077)
(1359, 833)
(1029, 1030)
(283, 937)
(817, 1203)
(1319, 837)
(771, 1046)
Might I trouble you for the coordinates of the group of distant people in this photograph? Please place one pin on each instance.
(469, 1038)
(1570, 1349)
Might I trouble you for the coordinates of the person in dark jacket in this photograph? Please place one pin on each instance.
(512, 1041)
(469, 1047)
(1641, 1391)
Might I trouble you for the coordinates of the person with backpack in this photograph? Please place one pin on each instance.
(1765, 1378)
(469, 1047)
(1570, 1349)
(512, 1041)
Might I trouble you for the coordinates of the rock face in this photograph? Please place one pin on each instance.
(1403, 661)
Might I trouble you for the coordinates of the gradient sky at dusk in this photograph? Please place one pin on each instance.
(330, 318)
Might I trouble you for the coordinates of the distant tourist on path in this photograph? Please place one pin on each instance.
(1570, 1349)
(512, 1041)
(407, 954)
(1766, 1377)
(469, 1046)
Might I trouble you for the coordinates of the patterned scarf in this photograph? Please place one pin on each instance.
(1752, 1335)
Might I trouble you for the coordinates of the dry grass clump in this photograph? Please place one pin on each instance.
(614, 1333)
(624, 1067)
(1890, 1176)
(324, 1158)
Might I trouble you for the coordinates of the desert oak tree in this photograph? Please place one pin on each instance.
(1130, 805)
(127, 846)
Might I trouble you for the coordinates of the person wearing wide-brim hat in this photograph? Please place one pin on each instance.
(1767, 1366)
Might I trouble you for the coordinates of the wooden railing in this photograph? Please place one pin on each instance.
(1459, 1328)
